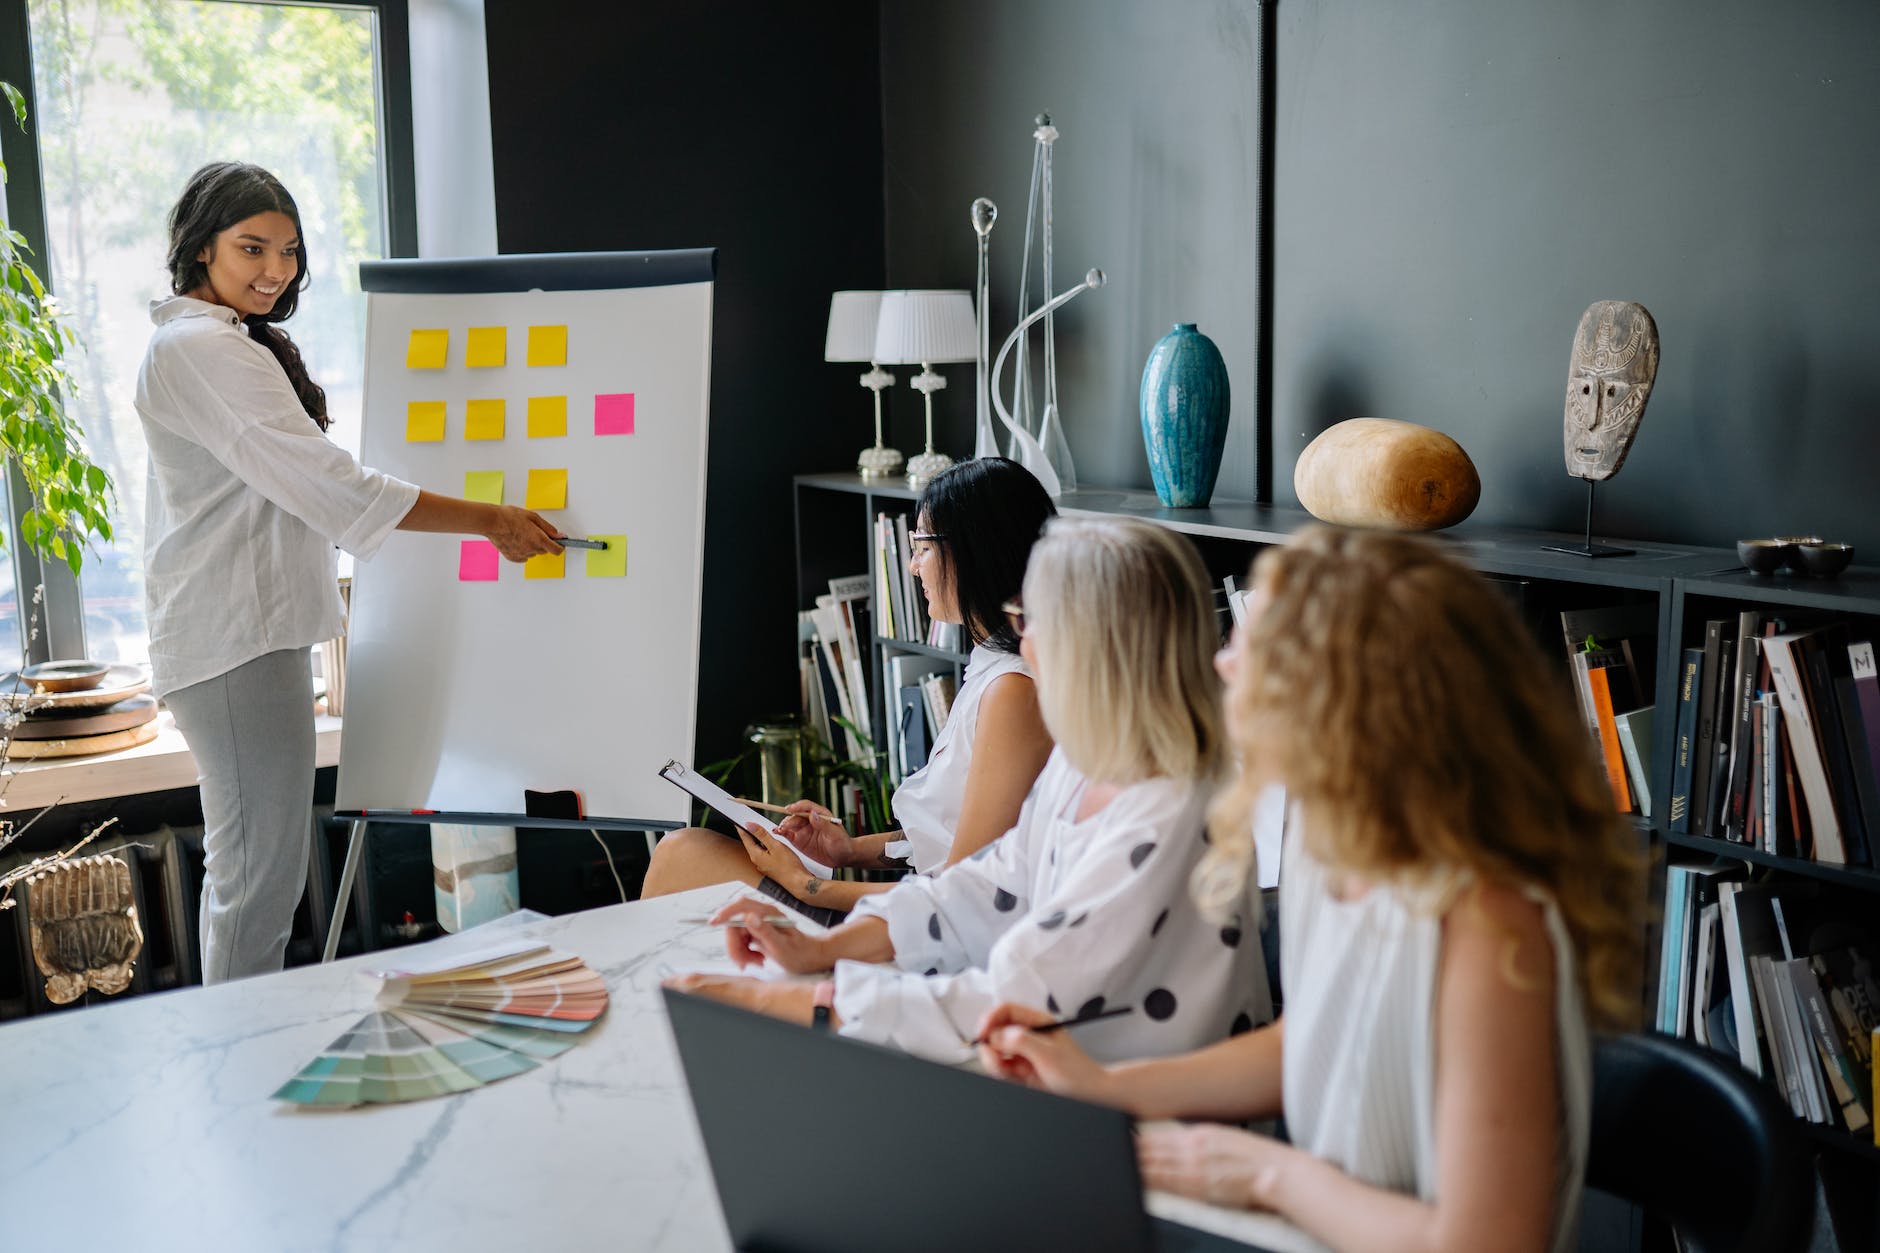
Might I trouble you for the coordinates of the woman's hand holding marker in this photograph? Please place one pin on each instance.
(520, 533)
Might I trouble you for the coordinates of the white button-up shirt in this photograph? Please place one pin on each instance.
(245, 500)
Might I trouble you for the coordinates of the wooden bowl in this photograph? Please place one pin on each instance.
(65, 676)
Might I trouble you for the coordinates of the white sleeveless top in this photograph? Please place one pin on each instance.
(1359, 1065)
(928, 802)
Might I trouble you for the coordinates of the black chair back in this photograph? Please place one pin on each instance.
(1689, 1136)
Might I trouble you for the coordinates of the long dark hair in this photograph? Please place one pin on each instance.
(988, 513)
(218, 196)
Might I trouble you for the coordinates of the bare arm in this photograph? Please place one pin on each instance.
(1010, 747)
(1235, 1080)
(1497, 1110)
(1232, 1081)
(517, 533)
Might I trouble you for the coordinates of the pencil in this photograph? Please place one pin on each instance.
(767, 808)
(1062, 1023)
(706, 922)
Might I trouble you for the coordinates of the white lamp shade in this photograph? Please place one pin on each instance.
(853, 316)
(921, 327)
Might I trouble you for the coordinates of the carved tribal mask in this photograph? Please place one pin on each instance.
(1615, 359)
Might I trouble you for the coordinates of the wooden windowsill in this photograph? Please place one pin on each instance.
(162, 764)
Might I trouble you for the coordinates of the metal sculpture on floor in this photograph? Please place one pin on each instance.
(85, 934)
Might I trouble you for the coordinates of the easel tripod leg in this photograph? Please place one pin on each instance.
(355, 841)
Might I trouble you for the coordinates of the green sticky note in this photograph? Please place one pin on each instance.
(427, 350)
(484, 485)
(424, 421)
(608, 563)
(487, 346)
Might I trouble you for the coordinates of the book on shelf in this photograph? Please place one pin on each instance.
(939, 691)
(1736, 755)
(1630, 632)
(1847, 1100)
(1679, 813)
(1717, 790)
(1607, 726)
(1635, 743)
(907, 747)
(1788, 671)
(1703, 751)
(1804, 996)
(1689, 891)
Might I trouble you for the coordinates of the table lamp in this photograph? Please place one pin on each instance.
(853, 316)
(925, 328)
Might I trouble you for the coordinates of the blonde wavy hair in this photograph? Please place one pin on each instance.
(1121, 614)
(1417, 726)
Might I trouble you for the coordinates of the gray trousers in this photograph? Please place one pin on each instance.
(251, 733)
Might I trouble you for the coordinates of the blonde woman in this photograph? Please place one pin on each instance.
(1459, 901)
(974, 528)
(1080, 908)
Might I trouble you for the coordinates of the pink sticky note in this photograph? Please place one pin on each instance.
(478, 562)
(613, 415)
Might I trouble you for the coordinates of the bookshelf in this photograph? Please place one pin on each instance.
(1683, 585)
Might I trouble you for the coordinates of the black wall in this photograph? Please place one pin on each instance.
(1158, 108)
(754, 128)
(1457, 181)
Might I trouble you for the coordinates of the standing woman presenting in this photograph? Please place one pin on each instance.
(246, 500)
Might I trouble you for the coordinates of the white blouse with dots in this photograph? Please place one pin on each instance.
(1069, 917)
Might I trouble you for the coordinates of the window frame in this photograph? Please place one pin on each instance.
(62, 614)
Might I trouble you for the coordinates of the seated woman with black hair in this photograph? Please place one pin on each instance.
(975, 525)
(1080, 908)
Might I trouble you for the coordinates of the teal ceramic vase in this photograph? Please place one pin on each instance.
(1184, 404)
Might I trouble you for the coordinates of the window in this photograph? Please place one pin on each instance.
(128, 99)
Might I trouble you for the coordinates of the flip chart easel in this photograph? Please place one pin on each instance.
(577, 385)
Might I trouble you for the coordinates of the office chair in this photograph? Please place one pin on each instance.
(1694, 1140)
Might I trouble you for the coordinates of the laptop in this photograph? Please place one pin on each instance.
(947, 1159)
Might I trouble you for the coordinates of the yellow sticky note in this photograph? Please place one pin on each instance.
(484, 485)
(427, 350)
(424, 421)
(483, 419)
(489, 345)
(548, 345)
(610, 563)
(548, 489)
(548, 415)
(546, 566)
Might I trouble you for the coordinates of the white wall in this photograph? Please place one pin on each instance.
(450, 125)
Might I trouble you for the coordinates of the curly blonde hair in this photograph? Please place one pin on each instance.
(1122, 615)
(1414, 721)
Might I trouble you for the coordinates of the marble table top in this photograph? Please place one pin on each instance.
(148, 1124)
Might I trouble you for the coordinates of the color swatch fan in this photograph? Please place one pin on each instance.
(442, 1028)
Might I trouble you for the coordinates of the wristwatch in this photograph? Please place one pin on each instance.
(824, 1003)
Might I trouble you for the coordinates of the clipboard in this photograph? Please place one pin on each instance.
(720, 801)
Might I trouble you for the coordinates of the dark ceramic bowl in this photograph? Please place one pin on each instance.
(1793, 542)
(1824, 561)
(1762, 556)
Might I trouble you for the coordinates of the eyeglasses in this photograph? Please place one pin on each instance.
(926, 538)
(1014, 614)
